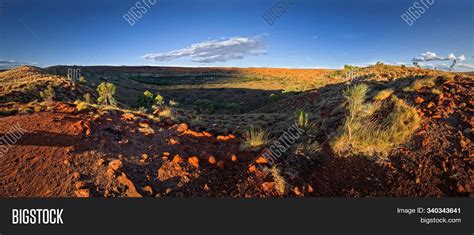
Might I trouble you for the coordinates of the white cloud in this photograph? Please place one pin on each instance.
(467, 66)
(430, 56)
(9, 64)
(215, 50)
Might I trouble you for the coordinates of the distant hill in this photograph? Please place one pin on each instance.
(24, 83)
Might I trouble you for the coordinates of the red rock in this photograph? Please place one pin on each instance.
(261, 160)
(148, 190)
(252, 168)
(131, 189)
(115, 164)
(82, 193)
(194, 161)
(268, 186)
(177, 159)
(297, 191)
(76, 175)
(80, 185)
(212, 160)
(173, 141)
(419, 100)
(182, 127)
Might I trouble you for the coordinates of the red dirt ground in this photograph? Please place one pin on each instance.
(101, 153)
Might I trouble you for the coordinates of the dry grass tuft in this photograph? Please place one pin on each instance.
(383, 94)
(365, 133)
(254, 139)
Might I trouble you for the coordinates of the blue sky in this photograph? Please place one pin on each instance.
(309, 34)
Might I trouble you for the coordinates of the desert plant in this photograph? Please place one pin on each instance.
(383, 94)
(280, 183)
(365, 134)
(171, 103)
(311, 150)
(421, 83)
(82, 106)
(232, 108)
(204, 106)
(160, 101)
(402, 122)
(106, 92)
(302, 119)
(254, 139)
(145, 100)
(49, 93)
(82, 80)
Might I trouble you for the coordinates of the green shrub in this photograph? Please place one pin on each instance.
(82, 80)
(146, 100)
(204, 106)
(106, 92)
(160, 101)
(49, 93)
(302, 119)
(232, 108)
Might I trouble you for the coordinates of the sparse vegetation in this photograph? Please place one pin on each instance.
(146, 101)
(82, 80)
(81, 106)
(365, 134)
(255, 139)
(49, 94)
(204, 106)
(383, 94)
(280, 183)
(106, 92)
(421, 83)
(232, 108)
(302, 119)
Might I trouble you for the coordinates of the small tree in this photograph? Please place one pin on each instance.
(204, 106)
(232, 108)
(145, 100)
(106, 92)
(49, 93)
(159, 100)
(82, 80)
